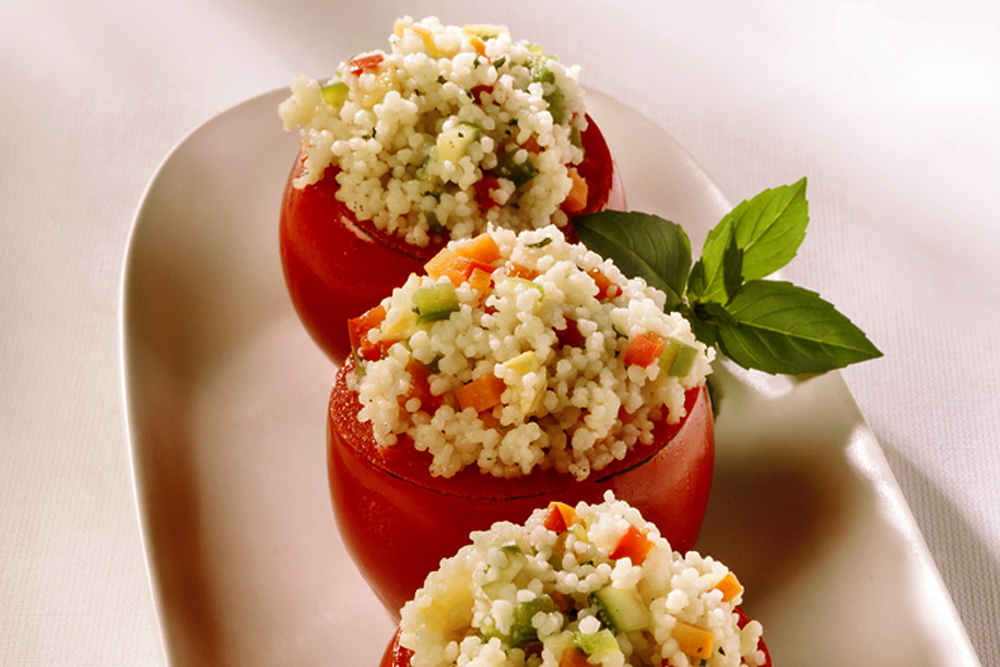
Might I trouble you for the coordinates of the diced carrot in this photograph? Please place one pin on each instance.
(573, 657)
(576, 200)
(450, 264)
(604, 284)
(436, 265)
(560, 517)
(515, 270)
(693, 641)
(730, 587)
(633, 545)
(420, 387)
(483, 248)
(458, 265)
(482, 393)
(531, 145)
(357, 332)
(480, 281)
(643, 350)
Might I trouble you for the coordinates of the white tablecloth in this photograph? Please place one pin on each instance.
(892, 110)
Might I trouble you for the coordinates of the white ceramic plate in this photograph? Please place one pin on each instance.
(226, 398)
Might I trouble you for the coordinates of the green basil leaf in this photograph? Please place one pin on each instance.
(777, 327)
(641, 245)
(769, 228)
(732, 267)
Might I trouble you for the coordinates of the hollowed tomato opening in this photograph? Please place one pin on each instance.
(337, 267)
(398, 521)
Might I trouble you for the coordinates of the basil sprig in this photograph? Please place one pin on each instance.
(759, 323)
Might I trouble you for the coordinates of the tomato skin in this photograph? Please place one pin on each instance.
(337, 267)
(397, 521)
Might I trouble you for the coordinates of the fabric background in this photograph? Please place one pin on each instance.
(891, 109)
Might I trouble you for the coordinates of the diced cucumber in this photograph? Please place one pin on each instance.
(522, 631)
(436, 302)
(575, 137)
(538, 65)
(335, 94)
(621, 609)
(453, 142)
(677, 358)
(557, 105)
(601, 644)
(517, 172)
(516, 560)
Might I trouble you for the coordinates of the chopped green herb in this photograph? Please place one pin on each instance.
(540, 244)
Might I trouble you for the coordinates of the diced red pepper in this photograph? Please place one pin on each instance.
(633, 545)
(479, 91)
(604, 284)
(420, 387)
(560, 517)
(643, 350)
(365, 63)
(484, 186)
(357, 331)
(570, 336)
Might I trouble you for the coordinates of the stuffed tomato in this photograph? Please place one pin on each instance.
(577, 586)
(519, 367)
(451, 130)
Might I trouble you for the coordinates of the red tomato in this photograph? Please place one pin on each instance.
(337, 267)
(397, 521)
(398, 656)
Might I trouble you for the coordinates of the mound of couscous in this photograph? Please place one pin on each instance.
(452, 129)
(590, 585)
(523, 351)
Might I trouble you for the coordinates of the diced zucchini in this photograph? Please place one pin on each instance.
(621, 609)
(453, 142)
(516, 560)
(601, 644)
(436, 302)
(677, 358)
(335, 94)
(517, 172)
(538, 65)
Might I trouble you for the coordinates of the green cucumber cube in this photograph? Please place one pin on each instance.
(436, 302)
